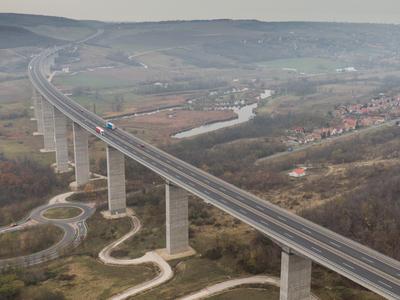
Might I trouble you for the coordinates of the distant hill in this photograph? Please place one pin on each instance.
(24, 20)
(35, 20)
(12, 37)
(218, 43)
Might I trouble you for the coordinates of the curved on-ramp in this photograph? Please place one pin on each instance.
(74, 231)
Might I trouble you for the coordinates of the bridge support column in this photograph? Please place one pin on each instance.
(116, 181)
(34, 107)
(37, 104)
(295, 277)
(177, 223)
(60, 134)
(81, 154)
(48, 126)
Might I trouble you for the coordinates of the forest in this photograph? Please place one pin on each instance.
(370, 213)
(24, 184)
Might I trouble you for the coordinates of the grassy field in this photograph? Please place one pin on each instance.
(62, 212)
(14, 94)
(265, 293)
(83, 277)
(16, 129)
(150, 237)
(158, 128)
(69, 33)
(103, 101)
(190, 275)
(17, 141)
(94, 80)
(101, 232)
(308, 65)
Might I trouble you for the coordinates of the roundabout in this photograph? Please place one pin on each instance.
(74, 228)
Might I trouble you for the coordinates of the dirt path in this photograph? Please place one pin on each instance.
(230, 284)
(151, 257)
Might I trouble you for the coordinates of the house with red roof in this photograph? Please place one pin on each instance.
(297, 173)
(350, 124)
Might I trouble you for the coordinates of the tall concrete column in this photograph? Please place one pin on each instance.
(34, 103)
(37, 102)
(295, 277)
(177, 223)
(48, 126)
(116, 181)
(81, 154)
(60, 135)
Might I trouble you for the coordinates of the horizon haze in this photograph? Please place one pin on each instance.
(386, 11)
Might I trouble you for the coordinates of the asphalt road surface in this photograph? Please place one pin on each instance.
(74, 231)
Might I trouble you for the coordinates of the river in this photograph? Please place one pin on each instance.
(244, 114)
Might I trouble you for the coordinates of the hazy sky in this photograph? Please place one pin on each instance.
(387, 11)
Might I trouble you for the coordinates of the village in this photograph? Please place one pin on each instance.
(227, 98)
(348, 118)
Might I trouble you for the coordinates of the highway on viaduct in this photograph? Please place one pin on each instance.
(360, 264)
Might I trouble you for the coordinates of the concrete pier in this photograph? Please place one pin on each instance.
(295, 277)
(116, 181)
(48, 126)
(177, 223)
(37, 104)
(81, 154)
(60, 134)
(34, 107)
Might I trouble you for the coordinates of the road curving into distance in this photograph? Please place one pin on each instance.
(360, 264)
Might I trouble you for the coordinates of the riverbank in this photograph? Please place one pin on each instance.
(243, 114)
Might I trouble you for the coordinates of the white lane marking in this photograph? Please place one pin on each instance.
(334, 244)
(389, 286)
(367, 259)
(223, 201)
(243, 211)
(347, 265)
(222, 189)
(283, 219)
(177, 176)
(265, 223)
(288, 235)
(207, 192)
(306, 230)
(259, 207)
(316, 249)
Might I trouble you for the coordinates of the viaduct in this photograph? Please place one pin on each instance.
(302, 241)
